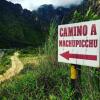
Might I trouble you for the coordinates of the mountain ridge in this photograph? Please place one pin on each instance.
(21, 28)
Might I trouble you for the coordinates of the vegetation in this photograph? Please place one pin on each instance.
(46, 81)
(4, 64)
(21, 28)
(5, 61)
(43, 78)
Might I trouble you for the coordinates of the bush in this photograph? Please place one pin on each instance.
(5, 63)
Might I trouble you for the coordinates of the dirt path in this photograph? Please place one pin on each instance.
(16, 67)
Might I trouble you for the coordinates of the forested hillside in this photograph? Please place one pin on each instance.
(21, 27)
(17, 26)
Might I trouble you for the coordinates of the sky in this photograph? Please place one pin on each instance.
(34, 4)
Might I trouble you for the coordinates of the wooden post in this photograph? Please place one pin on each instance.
(78, 83)
(75, 81)
(73, 76)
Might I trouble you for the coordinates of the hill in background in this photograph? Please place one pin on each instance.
(21, 27)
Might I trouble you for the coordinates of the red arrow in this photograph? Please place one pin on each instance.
(68, 55)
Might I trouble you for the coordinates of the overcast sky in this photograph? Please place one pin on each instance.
(34, 4)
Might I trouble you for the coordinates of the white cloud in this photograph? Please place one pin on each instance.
(34, 4)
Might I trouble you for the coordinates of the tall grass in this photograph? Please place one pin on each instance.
(49, 80)
(90, 80)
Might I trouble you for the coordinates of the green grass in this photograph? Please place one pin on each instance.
(49, 80)
(5, 63)
(38, 84)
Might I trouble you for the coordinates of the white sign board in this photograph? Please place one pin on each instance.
(79, 43)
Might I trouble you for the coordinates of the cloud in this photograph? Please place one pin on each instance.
(34, 4)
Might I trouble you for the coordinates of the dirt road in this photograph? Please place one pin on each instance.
(16, 67)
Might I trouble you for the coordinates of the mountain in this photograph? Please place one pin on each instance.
(17, 28)
(21, 27)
